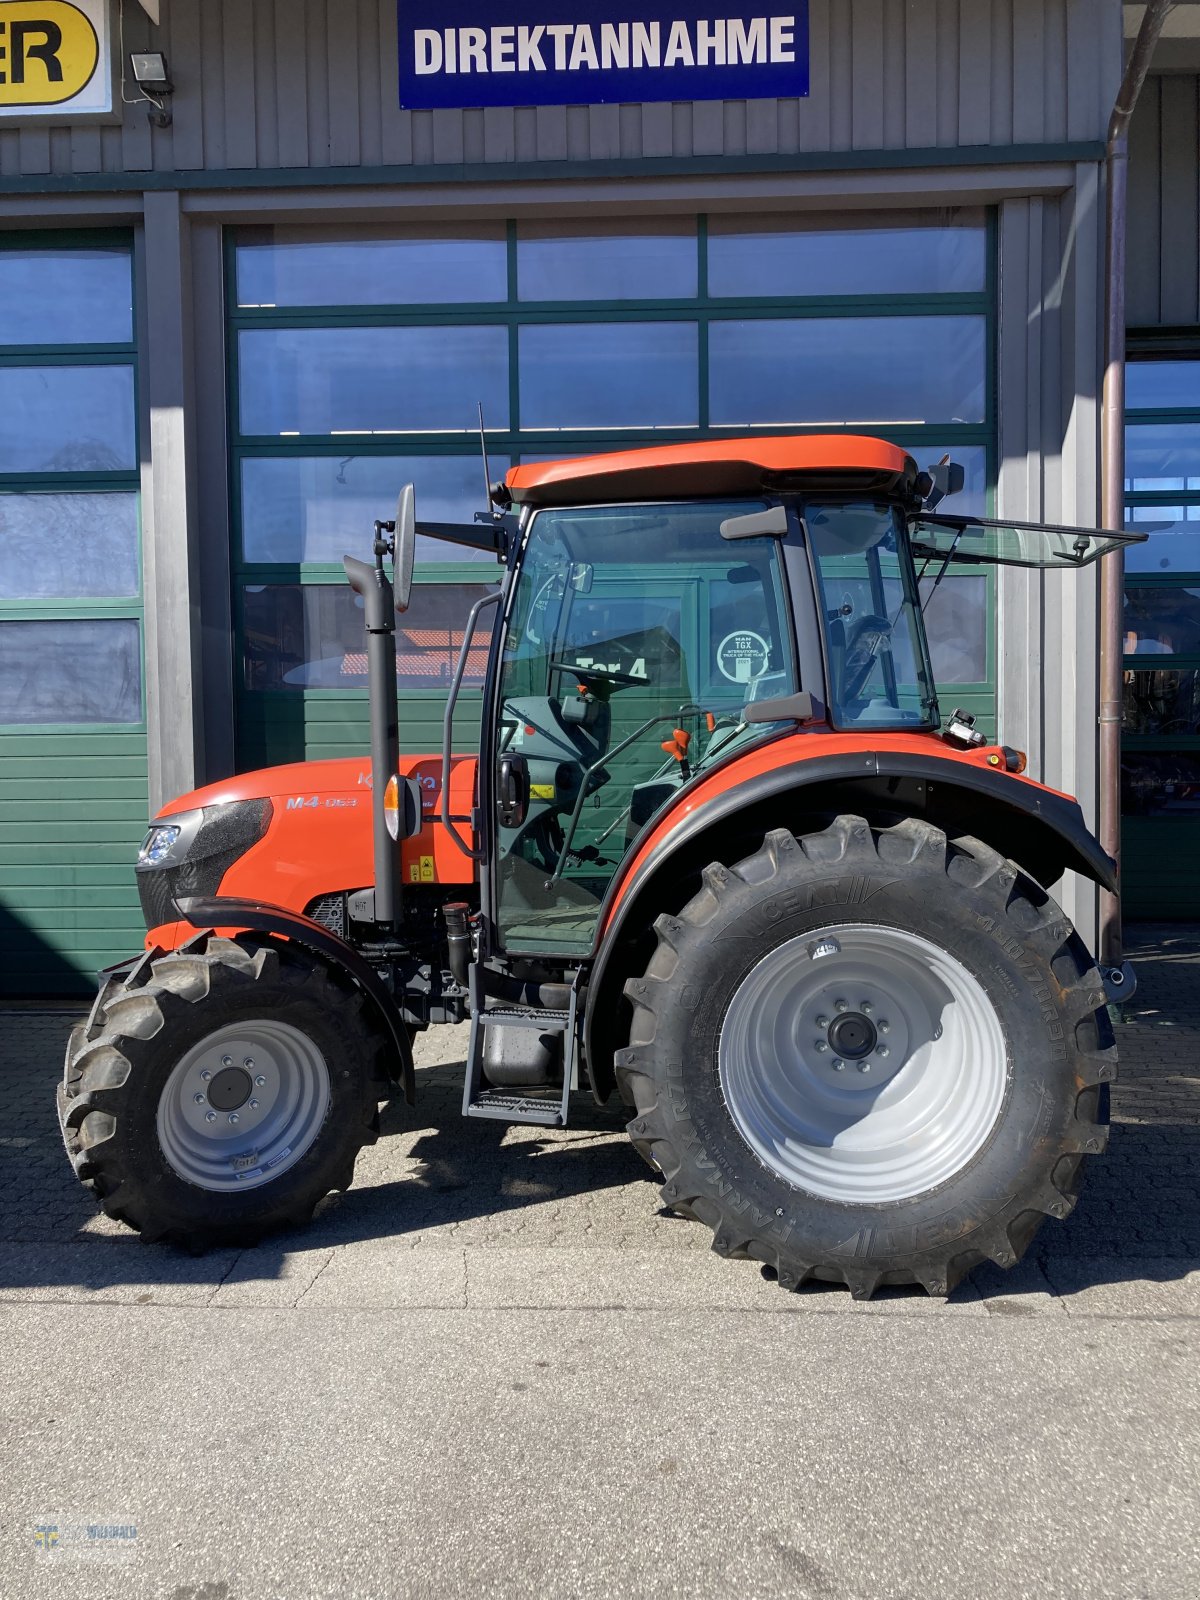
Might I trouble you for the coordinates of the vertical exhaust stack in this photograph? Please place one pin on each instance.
(382, 599)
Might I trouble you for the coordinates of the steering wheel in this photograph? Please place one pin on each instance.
(871, 636)
(599, 675)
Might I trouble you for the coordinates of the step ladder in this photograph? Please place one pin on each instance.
(513, 1104)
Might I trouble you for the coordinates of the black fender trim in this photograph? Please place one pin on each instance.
(1058, 815)
(205, 911)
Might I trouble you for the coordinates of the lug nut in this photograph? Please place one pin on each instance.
(210, 1116)
(885, 1027)
(842, 1005)
(254, 1105)
(821, 1045)
(226, 1061)
(233, 1117)
(248, 1064)
(864, 1066)
(822, 1022)
(865, 1008)
(260, 1080)
(206, 1075)
(883, 1050)
(199, 1099)
(839, 1066)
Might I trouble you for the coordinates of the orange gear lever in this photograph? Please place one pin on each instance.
(677, 745)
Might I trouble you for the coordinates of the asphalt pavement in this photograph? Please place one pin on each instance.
(498, 1367)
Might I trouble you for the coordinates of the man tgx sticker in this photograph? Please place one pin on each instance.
(55, 58)
(742, 656)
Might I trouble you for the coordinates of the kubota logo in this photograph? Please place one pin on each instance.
(49, 52)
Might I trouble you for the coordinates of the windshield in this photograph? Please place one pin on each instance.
(634, 637)
(879, 674)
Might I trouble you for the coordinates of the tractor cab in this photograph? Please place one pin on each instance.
(658, 621)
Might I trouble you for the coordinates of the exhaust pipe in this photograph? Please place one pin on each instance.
(373, 585)
(381, 602)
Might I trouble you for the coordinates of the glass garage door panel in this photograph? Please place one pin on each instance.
(318, 381)
(1160, 757)
(315, 509)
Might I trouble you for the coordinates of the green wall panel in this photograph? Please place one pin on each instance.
(72, 814)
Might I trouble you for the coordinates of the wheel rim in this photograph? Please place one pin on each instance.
(243, 1106)
(923, 1063)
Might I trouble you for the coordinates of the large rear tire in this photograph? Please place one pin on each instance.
(870, 1055)
(216, 1094)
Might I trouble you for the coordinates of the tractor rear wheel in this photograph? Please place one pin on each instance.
(870, 1055)
(217, 1093)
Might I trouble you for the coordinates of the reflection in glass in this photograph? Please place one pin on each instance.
(1174, 542)
(606, 261)
(319, 508)
(1165, 701)
(311, 637)
(774, 256)
(67, 419)
(956, 619)
(609, 375)
(372, 380)
(1162, 457)
(837, 370)
(1162, 622)
(69, 545)
(1162, 385)
(75, 672)
(1160, 783)
(371, 266)
(66, 297)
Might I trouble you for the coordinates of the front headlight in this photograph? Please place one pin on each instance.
(156, 846)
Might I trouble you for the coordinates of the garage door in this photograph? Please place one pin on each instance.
(72, 719)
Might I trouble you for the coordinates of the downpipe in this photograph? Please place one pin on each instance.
(1117, 973)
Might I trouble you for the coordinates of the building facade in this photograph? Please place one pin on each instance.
(226, 341)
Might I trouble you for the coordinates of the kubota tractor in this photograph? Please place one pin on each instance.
(718, 854)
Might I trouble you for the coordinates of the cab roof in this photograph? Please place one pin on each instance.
(820, 461)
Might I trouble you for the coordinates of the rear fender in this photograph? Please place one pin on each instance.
(1042, 830)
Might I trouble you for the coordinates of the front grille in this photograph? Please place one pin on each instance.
(330, 911)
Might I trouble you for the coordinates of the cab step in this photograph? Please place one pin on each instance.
(480, 1099)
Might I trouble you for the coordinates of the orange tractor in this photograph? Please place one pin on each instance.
(718, 853)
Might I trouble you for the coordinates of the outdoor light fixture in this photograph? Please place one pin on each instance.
(149, 68)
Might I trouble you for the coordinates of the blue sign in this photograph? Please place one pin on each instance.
(586, 52)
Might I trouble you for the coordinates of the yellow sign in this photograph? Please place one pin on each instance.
(54, 58)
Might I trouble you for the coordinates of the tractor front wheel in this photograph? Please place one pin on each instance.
(217, 1093)
(870, 1055)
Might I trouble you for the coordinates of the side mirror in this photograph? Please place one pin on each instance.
(406, 546)
(581, 575)
(936, 482)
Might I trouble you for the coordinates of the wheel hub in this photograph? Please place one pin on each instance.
(230, 1089)
(853, 1035)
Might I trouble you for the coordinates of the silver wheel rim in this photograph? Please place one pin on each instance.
(243, 1106)
(863, 1064)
